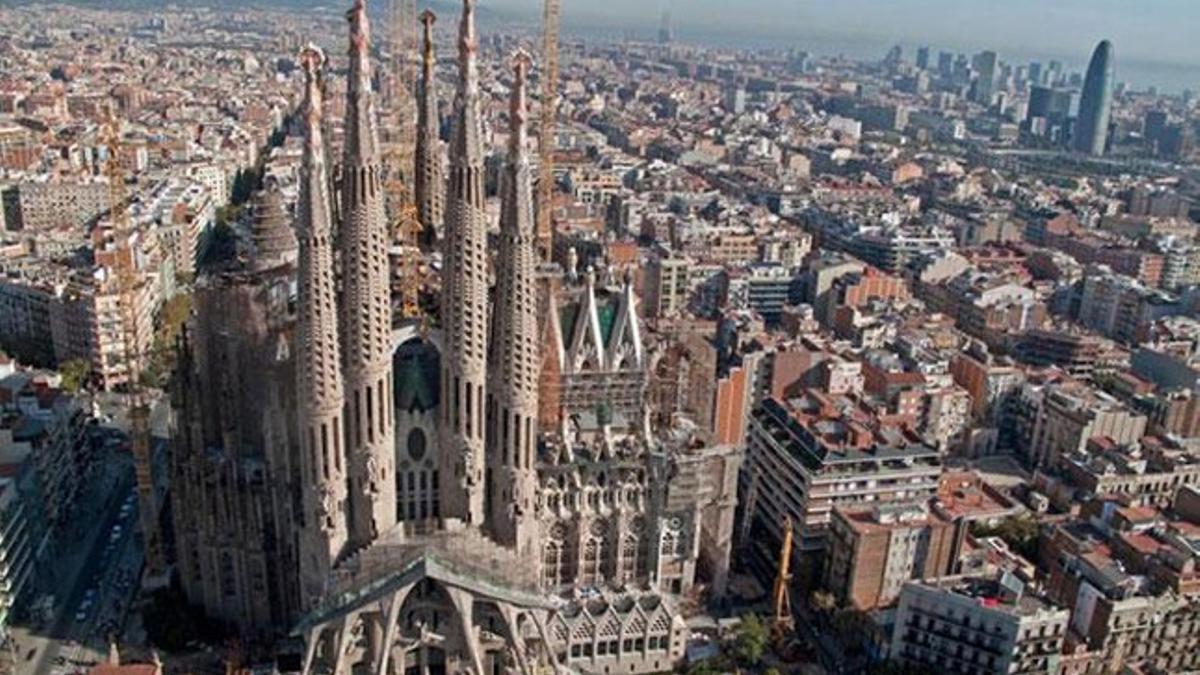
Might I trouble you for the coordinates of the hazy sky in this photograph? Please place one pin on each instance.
(1165, 31)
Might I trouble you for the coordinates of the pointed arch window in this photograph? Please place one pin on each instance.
(630, 550)
(590, 573)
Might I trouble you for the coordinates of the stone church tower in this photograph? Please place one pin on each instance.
(465, 296)
(366, 316)
(514, 361)
(321, 399)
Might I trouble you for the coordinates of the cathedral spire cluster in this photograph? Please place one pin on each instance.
(489, 392)
(370, 476)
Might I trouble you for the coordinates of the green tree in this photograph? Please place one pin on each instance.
(229, 214)
(75, 375)
(162, 360)
(751, 640)
(244, 185)
(221, 247)
(855, 629)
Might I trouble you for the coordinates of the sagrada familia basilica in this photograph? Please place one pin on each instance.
(491, 496)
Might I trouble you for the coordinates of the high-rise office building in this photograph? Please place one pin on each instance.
(1154, 125)
(1054, 73)
(1035, 73)
(923, 58)
(945, 64)
(986, 66)
(665, 35)
(1048, 111)
(1095, 104)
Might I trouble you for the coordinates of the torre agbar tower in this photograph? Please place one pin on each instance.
(366, 319)
(465, 296)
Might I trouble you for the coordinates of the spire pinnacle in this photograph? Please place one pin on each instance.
(360, 36)
(320, 395)
(360, 30)
(428, 18)
(466, 145)
(468, 45)
(366, 312)
(360, 139)
(518, 105)
(312, 60)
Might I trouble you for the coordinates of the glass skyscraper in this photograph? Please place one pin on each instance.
(1095, 104)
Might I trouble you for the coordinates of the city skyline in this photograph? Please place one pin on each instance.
(1152, 43)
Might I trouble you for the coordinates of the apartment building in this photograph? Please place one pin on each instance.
(976, 625)
(809, 454)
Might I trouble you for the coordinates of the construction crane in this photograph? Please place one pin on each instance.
(782, 596)
(551, 15)
(129, 287)
(405, 53)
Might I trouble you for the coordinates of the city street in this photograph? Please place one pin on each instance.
(101, 574)
(98, 600)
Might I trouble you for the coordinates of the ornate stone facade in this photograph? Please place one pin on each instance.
(235, 430)
(595, 348)
(507, 543)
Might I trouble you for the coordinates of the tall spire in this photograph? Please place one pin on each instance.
(360, 123)
(467, 139)
(318, 364)
(465, 297)
(431, 174)
(515, 361)
(366, 304)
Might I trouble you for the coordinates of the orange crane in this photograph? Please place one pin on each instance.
(405, 53)
(783, 579)
(551, 15)
(129, 286)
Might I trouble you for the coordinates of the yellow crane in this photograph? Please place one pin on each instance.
(129, 286)
(551, 15)
(783, 579)
(405, 52)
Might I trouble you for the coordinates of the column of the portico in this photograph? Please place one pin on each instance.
(464, 606)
